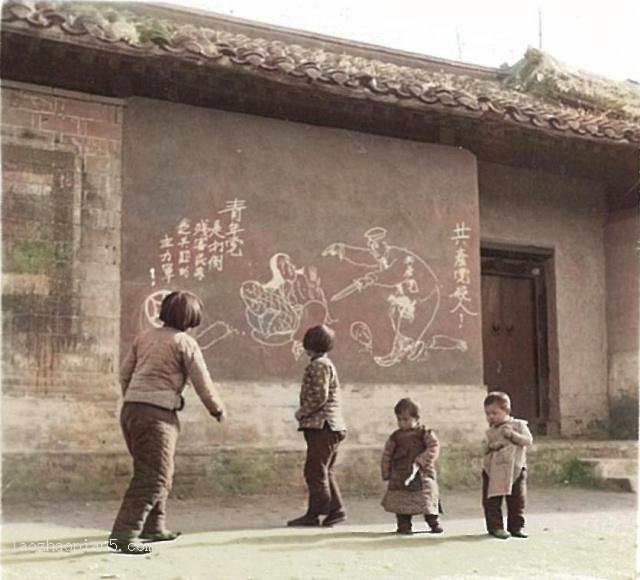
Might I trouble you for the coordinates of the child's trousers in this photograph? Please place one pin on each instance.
(516, 503)
(322, 452)
(151, 434)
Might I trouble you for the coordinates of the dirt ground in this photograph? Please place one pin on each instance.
(574, 534)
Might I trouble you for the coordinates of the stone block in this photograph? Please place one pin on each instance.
(28, 100)
(19, 118)
(223, 472)
(59, 124)
(86, 109)
(102, 130)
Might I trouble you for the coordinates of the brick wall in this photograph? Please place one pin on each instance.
(61, 269)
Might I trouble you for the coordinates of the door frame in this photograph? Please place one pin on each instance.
(537, 264)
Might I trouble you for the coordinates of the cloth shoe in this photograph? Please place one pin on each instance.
(128, 545)
(159, 536)
(305, 521)
(519, 533)
(334, 518)
(434, 524)
(500, 534)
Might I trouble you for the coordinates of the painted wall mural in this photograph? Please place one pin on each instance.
(411, 303)
(279, 311)
(199, 247)
(279, 226)
(207, 337)
(461, 274)
(281, 306)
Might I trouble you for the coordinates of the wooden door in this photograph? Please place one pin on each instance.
(510, 341)
(515, 330)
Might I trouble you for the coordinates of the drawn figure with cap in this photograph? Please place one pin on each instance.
(412, 303)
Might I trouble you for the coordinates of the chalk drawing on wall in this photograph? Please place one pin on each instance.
(412, 302)
(279, 311)
(206, 337)
(150, 311)
(361, 333)
(203, 246)
(214, 333)
(461, 274)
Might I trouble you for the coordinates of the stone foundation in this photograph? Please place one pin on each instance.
(250, 470)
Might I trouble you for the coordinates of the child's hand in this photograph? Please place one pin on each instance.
(507, 432)
(414, 472)
(298, 415)
(496, 445)
(220, 416)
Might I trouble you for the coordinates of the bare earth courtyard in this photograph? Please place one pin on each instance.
(575, 533)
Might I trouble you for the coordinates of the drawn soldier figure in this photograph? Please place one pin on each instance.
(412, 302)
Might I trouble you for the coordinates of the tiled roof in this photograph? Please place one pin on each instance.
(536, 92)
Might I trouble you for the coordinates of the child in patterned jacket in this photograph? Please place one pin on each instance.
(320, 418)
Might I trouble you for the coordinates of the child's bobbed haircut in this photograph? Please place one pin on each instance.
(318, 339)
(407, 406)
(181, 310)
(500, 399)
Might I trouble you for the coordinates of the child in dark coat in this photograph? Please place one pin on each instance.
(408, 464)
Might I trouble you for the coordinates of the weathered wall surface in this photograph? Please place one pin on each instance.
(304, 190)
(621, 240)
(62, 285)
(61, 276)
(61, 317)
(525, 207)
(621, 236)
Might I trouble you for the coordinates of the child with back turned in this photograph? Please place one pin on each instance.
(408, 464)
(153, 377)
(505, 467)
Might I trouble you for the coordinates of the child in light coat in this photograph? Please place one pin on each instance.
(505, 467)
(154, 375)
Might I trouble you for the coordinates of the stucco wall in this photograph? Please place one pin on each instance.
(61, 317)
(304, 187)
(525, 207)
(62, 277)
(621, 236)
(621, 239)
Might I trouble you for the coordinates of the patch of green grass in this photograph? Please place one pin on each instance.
(31, 256)
(573, 472)
(623, 417)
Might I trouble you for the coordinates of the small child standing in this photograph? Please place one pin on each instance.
(505, 467)
(408, 464)
(320, 419)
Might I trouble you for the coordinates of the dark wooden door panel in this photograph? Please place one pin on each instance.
(510, 341)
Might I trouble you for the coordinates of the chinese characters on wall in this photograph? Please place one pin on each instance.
(201, 247)
(461, 274)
